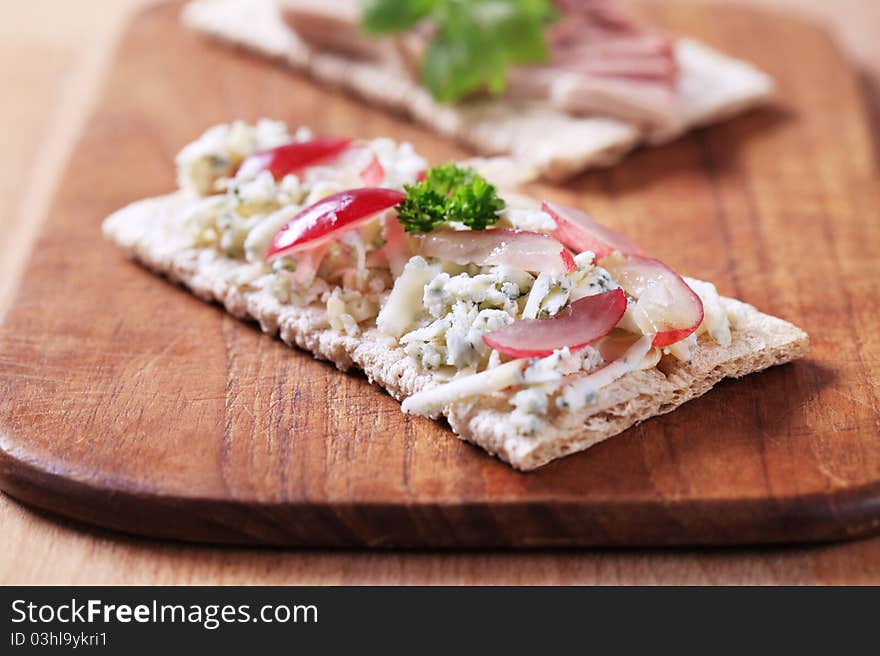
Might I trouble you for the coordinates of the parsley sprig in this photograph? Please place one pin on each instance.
(449, 193)
(474, 42)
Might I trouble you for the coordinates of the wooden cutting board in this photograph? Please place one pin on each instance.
(129, 404)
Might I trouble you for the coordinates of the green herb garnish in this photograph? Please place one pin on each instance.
(474, 41)
(449, 193)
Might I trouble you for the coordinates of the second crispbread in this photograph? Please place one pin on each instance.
(712, 87)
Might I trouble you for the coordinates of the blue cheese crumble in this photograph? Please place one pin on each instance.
(438, 311)
(218, 152)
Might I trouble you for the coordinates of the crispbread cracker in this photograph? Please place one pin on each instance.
(559, 145)
(152, 232)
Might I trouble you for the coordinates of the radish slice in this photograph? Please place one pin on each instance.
(307, 264)
(329, 218)
(581, 323)
(293, 157)
(396, 248)
(580, 233)
(374, 173)
(520, 249)
(665, 305)
(359, 160)
(356, 162)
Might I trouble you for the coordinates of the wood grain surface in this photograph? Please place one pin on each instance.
(130, 405)
(43, 550)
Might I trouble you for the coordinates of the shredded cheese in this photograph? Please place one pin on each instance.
(582, 392)
(431, 401)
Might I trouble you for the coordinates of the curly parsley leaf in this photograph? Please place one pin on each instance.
(422, 209)
(475, 204)
(449, 193)
(474, 42)
(446, 178)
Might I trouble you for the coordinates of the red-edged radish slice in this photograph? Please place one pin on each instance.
(520, 249)
(581, 323)
(665, 305)
(293, 157)
(580, 233)
(330, 217)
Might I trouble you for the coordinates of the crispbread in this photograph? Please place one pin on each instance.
(152, 232)
(712, 86)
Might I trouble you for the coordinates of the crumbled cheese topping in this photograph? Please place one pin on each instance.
(715, 319)
(401, 162)
(583, 391)
(246, 200)
(459, 305)
(438, 311)
(217, 153)
(404, 302)
(248, 204)
(529, 219)
(450, 316)
(346, 309)
(431, 402)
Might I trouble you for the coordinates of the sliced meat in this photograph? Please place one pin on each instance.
(582, 15)
(637, 101)
(654, 69)
(603, 62)
(628, 54)
(632, 100)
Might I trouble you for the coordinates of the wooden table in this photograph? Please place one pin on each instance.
(52, 72)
